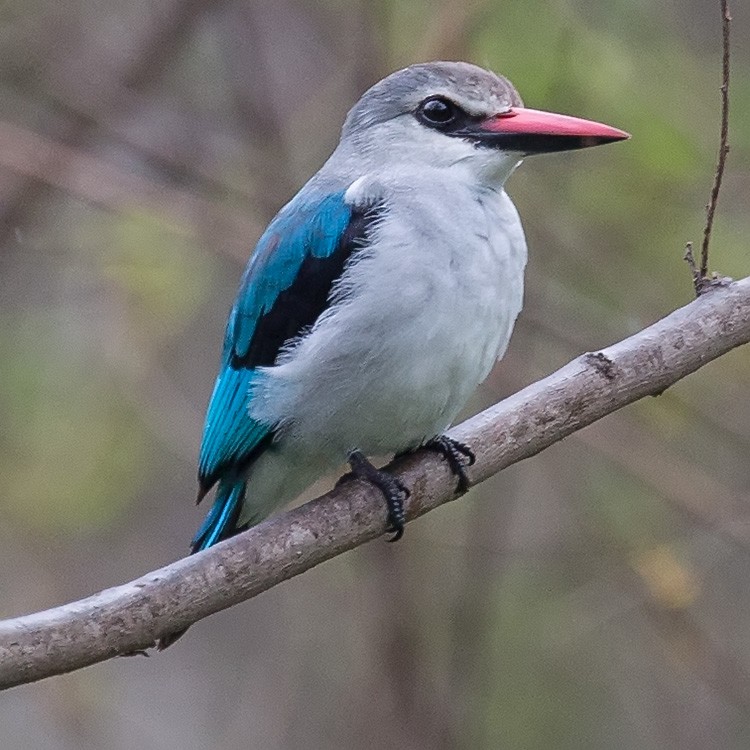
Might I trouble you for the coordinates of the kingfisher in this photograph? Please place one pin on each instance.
(379, 297)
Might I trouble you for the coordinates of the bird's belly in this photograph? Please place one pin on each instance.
(390, 380)
(394, 361)
(400, 394)
(407, 394)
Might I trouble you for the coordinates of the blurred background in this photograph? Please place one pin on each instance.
(597, 596)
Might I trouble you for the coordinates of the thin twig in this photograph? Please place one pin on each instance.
(701, 279)
(723, 140)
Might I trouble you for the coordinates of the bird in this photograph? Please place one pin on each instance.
(379, 297)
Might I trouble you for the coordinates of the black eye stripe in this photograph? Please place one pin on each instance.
(440, 113)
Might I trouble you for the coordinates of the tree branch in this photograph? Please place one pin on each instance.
(131, 617)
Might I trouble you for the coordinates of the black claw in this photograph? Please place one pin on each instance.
(397, 534)
(345, 479)
(457, 454)
(393, 489)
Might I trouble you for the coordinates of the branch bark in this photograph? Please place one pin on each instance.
(131, 617)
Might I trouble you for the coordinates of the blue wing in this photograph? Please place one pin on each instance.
(285, 287)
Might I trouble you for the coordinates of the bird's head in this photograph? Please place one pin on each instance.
(446, 114)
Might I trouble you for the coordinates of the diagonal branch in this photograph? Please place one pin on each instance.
(131, 617)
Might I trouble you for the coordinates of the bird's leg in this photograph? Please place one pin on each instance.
(457, 454)
(392, 488)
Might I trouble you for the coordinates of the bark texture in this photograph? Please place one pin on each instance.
(131, 617)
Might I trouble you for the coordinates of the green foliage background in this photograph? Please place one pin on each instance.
(593, 597)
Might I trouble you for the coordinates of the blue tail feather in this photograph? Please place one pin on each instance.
(221, 521)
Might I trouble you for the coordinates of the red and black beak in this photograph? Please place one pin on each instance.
(531, 131)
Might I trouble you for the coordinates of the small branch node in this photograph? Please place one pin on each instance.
(602, 364)
(703, 283)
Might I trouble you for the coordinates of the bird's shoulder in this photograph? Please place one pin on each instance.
(288, 278)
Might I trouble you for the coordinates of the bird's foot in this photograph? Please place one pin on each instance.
(393, 489)
(345, 479)
(457, 454)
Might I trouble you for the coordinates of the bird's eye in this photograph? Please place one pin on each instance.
(437, 111)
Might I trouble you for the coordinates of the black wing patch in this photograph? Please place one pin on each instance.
(298, 307)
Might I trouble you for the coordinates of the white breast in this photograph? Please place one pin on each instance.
(417, 322)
